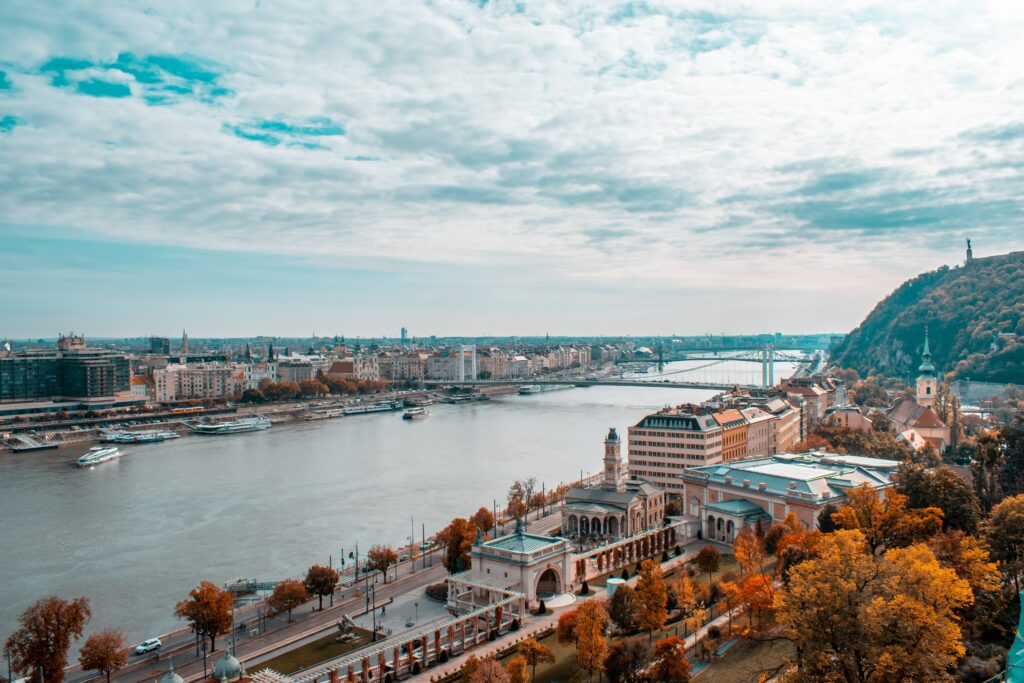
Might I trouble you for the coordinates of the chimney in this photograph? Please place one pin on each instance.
(746, 483)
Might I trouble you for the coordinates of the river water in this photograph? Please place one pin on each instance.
(136, 534)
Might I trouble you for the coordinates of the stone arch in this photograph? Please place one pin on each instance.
(572, 524)
(549, 582)
(595, 526)
(711, 527)
(695, 506)
(730, 530)
(584, 526)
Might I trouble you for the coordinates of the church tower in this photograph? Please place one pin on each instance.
(927, 384)
(184, 343)
(613, 475)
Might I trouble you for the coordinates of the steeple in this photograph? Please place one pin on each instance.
(248, 353)
(613, 476)
(927, 383)
(184, 343)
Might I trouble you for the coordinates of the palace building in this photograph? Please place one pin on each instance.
(619, 507)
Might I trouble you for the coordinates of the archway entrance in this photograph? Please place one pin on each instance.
(548, 584)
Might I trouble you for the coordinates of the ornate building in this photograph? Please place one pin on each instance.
(915, 420)
(618, 508)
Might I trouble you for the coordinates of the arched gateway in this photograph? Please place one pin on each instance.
(548, 583)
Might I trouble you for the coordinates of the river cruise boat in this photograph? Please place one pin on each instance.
(139, 437)
(373, 408)
(528, 389)
(98, 454)
(245, 424)
(415, 414)
(325, 414)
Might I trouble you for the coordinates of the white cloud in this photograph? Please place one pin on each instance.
(662, 147)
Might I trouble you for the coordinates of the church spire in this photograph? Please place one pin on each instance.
(926, 368)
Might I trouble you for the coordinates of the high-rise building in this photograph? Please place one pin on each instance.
(160, 345)
(665, 443)
(405, 335)
(72, 371)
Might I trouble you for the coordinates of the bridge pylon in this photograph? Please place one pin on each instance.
(768, 365)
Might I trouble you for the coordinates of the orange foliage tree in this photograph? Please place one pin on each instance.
(591, 645)
(483, 519)
(535, 652)
(321, 580)
(103, 651)
(886, 521)
(748, 549)
(287, 596)
(381, 557)
(670, 662)
(652, 597)
(458, 538)
(208, 609)
(45, 631)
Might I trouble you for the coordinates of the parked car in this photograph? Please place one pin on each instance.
(148, 646)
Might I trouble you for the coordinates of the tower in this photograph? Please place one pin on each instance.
(184, 343)
(927, 384)
(613, 477)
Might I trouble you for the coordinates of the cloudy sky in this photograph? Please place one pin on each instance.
(459, 167)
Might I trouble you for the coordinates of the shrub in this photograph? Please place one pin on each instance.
(438, 591)
(625, 574)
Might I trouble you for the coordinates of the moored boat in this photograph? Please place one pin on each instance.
(373, 408)
(245, 424)
(415, 414)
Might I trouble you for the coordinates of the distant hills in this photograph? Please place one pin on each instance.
(975, 319)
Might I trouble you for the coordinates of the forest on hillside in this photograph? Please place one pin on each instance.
(975, 320)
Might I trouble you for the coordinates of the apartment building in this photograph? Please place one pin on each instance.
(665, 443)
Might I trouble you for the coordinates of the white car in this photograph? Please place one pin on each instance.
(148, 646)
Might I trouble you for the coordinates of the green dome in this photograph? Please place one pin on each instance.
(227, 667)
(171, 677)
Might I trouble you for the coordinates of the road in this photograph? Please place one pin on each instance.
(275, 634)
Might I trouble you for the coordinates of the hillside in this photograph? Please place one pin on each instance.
(965, 309)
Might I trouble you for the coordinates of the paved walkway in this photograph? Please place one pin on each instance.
(537, 625)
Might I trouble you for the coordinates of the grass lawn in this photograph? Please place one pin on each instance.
(313, 653)
(746, 660)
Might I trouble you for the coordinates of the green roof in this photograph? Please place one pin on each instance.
(740, 508)
(522, 543)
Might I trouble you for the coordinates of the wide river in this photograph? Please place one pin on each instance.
(136, 534)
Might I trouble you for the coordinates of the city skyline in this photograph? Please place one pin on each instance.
(497, 168)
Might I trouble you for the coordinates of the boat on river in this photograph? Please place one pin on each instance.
(245, 424)
(98, 454)
(415, 414)
(150, 436)
(373, 408)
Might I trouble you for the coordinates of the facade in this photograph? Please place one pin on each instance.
(734, 434)
(254, 373)
(759, 431)
(731, 496)
(71, 372)
(539, 567)
(178, 382)
(850, 417)
(619, 507)
(412, 366)
(160, 346)
(663, 444)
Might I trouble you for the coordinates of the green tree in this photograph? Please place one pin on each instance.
(1004, 531)
(940, 488)
(623, 609)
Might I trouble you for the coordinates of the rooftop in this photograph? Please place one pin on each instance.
(521, 542)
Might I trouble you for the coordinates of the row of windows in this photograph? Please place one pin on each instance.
(669, 456)
(696, 436)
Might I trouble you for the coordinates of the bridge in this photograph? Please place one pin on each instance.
(582, 382)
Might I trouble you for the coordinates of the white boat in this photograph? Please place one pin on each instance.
(373, 408)
(325, 414)
(98, 454)
(245, 424)
(415, 414)
(528, 389)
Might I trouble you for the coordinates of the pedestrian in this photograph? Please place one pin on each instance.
(383, 609)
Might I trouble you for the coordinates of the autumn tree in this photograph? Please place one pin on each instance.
(516, 668)
(103, 651)
(652, 597)
(941, 488)
(670, 662)
(381, 557)
(1004, 531)
(288, 595)
(321, 580)
(535, 653)
(591, 645)
(624, 608)
(566, 629)
(886, 521)
(754, 591)
(748, 549)
(45, 631)
(208, 609)
(458, 538)
(489, 671)
(856, 616)
(627, 662)
(708, 560)
(482, 519)
(968, 557)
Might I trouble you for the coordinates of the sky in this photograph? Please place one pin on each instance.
(490, 168)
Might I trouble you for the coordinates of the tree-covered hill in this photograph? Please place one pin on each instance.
(975, 319)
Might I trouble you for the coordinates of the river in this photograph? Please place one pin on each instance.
(136, 534)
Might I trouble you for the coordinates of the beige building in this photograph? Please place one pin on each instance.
(620, 506)
(665, 443)
(759, 431)
(850, 417)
